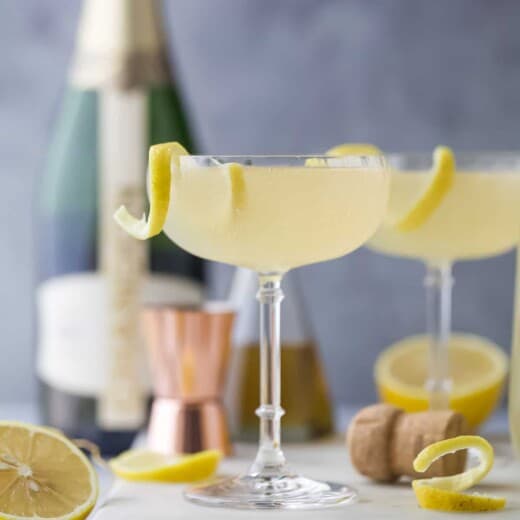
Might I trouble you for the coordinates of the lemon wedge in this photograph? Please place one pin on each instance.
(43, 475)
(444, 493)
(160, 159)
(478, 369)
(442, 177)
(143, 465)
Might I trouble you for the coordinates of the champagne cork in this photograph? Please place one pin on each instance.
(383, 441)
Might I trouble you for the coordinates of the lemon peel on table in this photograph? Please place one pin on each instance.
(149, 466)
(444, 493)
(43, 475)
(161, 157)
(344, 149)
(442, 178)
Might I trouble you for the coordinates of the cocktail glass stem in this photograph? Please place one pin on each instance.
(270, 460)
(438, 282)
(269, 484)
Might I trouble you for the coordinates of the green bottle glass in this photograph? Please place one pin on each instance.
(93, 278)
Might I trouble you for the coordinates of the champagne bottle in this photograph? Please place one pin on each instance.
(305, 396)
(94, 277)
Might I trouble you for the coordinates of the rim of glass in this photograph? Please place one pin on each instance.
(459, 153)
(465, 159)
(340, 161)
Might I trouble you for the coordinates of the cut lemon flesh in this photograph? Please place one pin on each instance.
(43, 475)
(442, 177)
(143, 465)
(478, 369)
(161, 158)
(444, 493)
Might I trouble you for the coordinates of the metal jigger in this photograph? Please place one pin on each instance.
(189, 350)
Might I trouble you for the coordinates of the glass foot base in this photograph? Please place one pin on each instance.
(281, 492)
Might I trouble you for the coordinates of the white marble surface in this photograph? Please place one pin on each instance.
(326, 461)
(329, 460)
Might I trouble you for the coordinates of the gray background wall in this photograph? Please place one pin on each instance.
(269, 76)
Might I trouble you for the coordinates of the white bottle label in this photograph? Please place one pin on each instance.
(72, 314)
(72, 324)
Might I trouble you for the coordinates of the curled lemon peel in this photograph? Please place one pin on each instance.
(442, 178)
(315, 162)
(161, 158)
(344, 149)
(354, 149)
(444, 493)
(235, 173)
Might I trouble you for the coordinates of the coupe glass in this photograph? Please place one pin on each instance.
(477, 218)
(271, 214)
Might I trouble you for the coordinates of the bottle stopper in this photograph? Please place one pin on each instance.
(383, 441)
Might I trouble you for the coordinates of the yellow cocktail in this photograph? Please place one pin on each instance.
(477, 217)
(274, 217)
(269, 214)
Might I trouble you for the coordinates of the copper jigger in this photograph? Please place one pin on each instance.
(189, 349)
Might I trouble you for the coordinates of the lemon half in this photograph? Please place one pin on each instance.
(161, 157)
(43, 475)
(478, 369)
(144, 465)
(444, 493)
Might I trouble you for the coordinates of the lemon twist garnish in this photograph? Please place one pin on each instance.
(444, 493)
(354, 149)
(315, 162)
(237, 184)
(143, 465)
(344, 149)
(443, 175)
(161, 157)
